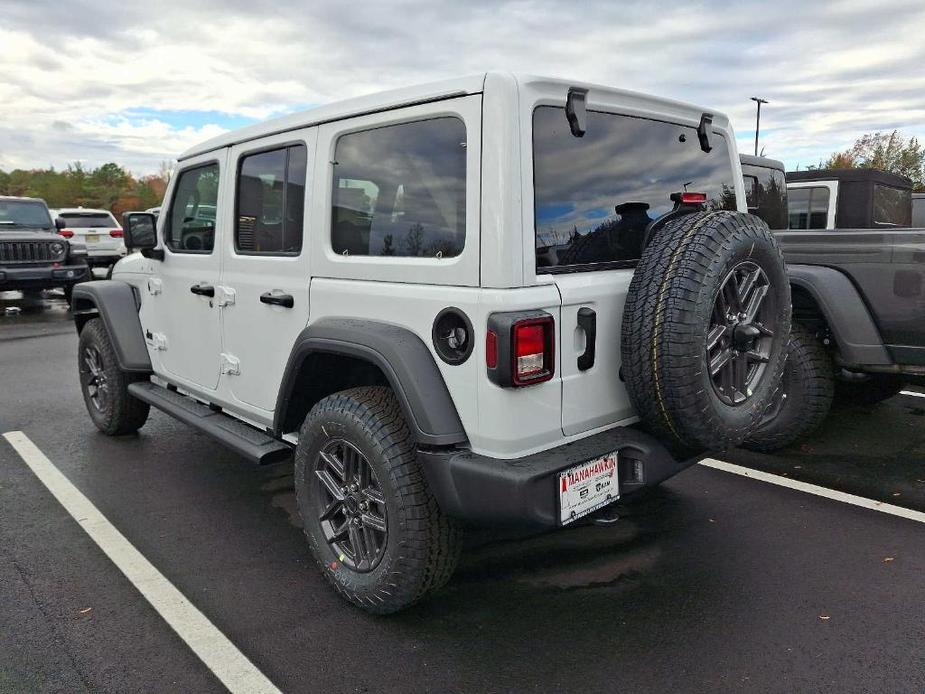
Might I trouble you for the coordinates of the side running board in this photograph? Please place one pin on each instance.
(242, 438)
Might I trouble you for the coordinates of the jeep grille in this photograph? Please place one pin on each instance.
(30, 252)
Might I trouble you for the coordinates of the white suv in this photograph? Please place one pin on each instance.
(98, 229)
(499, 299)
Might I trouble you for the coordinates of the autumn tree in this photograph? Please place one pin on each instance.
(885, 151)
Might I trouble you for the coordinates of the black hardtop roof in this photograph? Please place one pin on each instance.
(765, 162)
(864, 175)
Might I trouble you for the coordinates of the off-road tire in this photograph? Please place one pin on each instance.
(874, 389)
(666, 319)
(806, 391)
(422, 545)
(121, 413)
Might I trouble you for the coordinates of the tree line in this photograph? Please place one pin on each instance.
(109, 187)
(885, 151)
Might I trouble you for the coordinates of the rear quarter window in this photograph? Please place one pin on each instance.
(766, 194)
(595, 195)
(892, 206)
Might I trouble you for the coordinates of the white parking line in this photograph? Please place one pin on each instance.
(912, 393)
(221, 656)
(815, 489)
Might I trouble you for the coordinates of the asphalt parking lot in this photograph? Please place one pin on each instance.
(714, 582)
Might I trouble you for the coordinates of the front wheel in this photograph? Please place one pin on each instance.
(373, 525)
(105, 386)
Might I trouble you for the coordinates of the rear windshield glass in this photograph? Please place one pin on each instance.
(23, 213)
(766, 194)
(595, 195)
(85, 220)
(892, 206)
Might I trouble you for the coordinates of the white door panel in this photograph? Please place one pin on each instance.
(595, 396)
(183, 327)
(260, 335)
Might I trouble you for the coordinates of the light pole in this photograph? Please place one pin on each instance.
(758, 120)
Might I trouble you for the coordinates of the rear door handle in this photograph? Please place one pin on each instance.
(284, 300)
(203, 289)
(587, 321)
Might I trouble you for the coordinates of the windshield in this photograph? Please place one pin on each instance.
(595, 195)
(24, 213)
(85, 220)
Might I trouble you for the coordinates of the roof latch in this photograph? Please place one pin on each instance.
(705, 131)
(575, 111)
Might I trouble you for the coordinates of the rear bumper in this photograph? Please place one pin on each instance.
(104, 256)
(41, 277)
(524, 491)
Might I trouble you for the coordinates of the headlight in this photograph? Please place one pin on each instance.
(57, 248)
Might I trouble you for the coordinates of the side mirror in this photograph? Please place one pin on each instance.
(140, 230)
(60, 223)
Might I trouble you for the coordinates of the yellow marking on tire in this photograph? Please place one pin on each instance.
(663, 290)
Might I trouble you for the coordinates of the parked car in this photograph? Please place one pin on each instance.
(32, 255)
(98, 229)
(377, 294)
(857, 274)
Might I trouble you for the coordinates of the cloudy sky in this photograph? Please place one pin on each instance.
(136, 83)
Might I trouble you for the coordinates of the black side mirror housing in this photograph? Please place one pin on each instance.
(140, 230)
(60, 223)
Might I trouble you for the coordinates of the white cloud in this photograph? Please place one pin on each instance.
(72, 75)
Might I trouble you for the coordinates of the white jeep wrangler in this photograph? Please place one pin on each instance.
(497, 299)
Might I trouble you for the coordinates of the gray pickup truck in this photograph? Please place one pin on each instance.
(857, 273)
(32, 254)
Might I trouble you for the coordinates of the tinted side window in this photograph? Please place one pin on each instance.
(766, 194)
(270, 202)
(892, 206)
(595, 195)
(191, 225)
(808, 207)
(918, 211)
(400, 190)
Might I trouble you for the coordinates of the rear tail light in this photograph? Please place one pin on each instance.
(693, 198)
(117, 233)
(520, 348)
(66, 233)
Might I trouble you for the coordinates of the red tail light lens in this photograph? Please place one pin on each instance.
(66, 233)
(693, 198)
(117, 233)
(491, 350)
(533, 355)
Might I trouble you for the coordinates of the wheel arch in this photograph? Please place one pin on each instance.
(116, 304)
(836, 300)
(334, 354)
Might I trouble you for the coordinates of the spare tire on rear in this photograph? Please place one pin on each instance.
(705, 329)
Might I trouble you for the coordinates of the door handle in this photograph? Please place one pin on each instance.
(203, 289)
(284, 300)
(587, 321)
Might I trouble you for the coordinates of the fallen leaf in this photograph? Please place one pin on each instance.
(897, 493)
(888, 559)
(86, 610)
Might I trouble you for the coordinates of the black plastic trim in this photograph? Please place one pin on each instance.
(115, 303)
(855, 332)
(522, 491)
(404, 359)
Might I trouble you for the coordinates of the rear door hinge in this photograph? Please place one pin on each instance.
(231, 365)
(224, 296)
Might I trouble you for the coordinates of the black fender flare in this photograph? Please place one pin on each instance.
(115, 303)
(403, 358)
(847, 315)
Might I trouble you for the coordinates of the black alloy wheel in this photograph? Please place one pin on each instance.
(94, 375)
(740, 337)
(351, 506)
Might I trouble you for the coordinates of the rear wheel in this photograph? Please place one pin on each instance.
(105, 386)
(804, 397)
(705, 327)
(372, 523)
